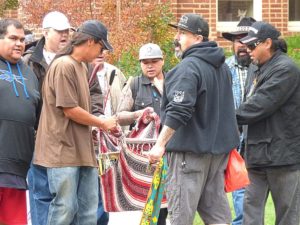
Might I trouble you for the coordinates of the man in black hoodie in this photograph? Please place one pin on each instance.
(19, 100)
(199, 127)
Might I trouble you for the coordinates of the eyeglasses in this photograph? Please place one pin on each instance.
(254, 45)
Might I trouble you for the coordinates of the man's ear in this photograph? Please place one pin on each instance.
(199, 38)
(268, 42)
(90, 42)
(45, 32)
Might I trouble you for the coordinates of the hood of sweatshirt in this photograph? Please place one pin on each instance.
(9, 75)
(206, 51)
(19, 92)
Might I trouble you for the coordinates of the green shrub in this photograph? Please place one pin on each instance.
(293, 44)
(155, 24)
(11, 4)
(129, 63)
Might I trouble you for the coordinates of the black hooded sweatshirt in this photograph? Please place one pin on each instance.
(198, 102)
(19, 99)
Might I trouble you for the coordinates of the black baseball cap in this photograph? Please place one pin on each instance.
(96, 29)
(260, 31)
(241, 30)
(193, 23)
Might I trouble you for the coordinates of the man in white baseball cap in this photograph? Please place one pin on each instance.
(56, 28)
(56, 20)
(55, 36)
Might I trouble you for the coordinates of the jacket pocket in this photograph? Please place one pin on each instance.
(191, 163)
(258, 151)
(141, 103)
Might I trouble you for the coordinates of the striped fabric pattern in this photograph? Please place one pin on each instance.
(126, 181)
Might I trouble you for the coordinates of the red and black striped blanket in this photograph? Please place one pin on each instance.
(124, 171)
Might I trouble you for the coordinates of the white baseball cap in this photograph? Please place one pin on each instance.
(150, 51)
(56, 20)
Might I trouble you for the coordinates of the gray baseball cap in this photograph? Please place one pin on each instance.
(150, 51)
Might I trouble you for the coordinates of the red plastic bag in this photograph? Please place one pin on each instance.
(236, 175)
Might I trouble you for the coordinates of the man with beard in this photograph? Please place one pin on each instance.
(238, 65)
(177, 50)
(198, 127)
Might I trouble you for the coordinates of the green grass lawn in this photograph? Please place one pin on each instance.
(269, 212)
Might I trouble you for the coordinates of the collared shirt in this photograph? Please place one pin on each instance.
(239, 75)
(49, 56)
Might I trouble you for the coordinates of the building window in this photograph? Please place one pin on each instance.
(294, 10)
(234, 10)
(230, 12)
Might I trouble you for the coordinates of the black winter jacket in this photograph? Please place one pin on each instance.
(198, 102)
(34, 58)
(272, 115)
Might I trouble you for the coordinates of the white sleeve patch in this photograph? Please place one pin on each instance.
(178, 96)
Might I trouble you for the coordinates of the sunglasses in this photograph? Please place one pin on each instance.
(252, 46)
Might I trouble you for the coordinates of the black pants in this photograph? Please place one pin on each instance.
(163, 214)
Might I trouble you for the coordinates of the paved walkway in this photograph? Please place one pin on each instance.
(115, 218)
(126, 218)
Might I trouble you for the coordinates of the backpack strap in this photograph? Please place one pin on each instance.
(112, 77)
(134, 86)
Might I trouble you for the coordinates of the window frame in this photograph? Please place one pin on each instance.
(229, 26)
(293, 26)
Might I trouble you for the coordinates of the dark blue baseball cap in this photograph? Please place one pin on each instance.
(97, 30)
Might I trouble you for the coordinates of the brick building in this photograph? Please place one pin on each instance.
(223, 15)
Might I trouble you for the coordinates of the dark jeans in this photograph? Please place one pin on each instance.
(102, 216)
(238, 200)
(163, 214)
(39, 194)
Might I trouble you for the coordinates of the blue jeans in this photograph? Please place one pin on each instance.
(102, 216)
(238, 200)
(75, 191)
(39, 194)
